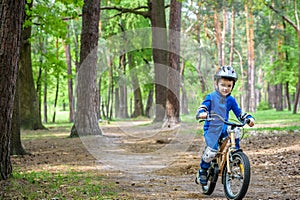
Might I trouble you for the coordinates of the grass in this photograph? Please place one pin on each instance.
(276, 117)
(46, 185)
(277, 120)
(52, 132)
(267, 120)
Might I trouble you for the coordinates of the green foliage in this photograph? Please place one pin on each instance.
(263, 105)
(55, 23)
(58, 185)
(51, 21)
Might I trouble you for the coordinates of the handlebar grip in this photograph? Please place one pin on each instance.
(247, 121)
(206, 119)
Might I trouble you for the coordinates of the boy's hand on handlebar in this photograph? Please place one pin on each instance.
(203, 115)
(251, 122)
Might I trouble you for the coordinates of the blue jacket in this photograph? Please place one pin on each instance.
(230, 104)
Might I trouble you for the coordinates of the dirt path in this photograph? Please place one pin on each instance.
(274, 156)
(147, 162)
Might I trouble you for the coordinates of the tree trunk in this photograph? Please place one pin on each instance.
(272, 96)
(184, 99)
(16, 147)
(258, 91)
(70, 80)
(173, 96)
(39, 78)
(11, 20)
(280, 56)
(199, 61)
(109, 88)
(86, 122)
(223, 35)
(45, 96)
(138, 100)
(98, 99)
(286, 85)
(117, 103)
(251, 67)
(30, 118)
(160, 56)
(218, 36)
(56, 98)
(123, 88)
(287, 95)
(232, 35)
(112, 96)
(149, 104)
(297, 29)
(279, 97)
(295, 109)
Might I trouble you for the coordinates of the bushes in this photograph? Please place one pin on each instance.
(263, 105)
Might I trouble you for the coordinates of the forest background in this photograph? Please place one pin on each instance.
(260, 39)
(259, 43)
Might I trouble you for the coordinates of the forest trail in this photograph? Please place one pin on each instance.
(150, 162)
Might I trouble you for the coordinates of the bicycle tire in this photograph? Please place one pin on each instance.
(213, 172)
(240, 174)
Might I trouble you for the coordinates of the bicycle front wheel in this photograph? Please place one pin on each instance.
(237, 182)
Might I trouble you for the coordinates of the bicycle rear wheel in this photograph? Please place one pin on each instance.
(213, 172)
(237, 182)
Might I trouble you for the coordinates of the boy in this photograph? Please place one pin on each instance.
(220, 102)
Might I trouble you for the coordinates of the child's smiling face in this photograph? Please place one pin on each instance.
(224, 86)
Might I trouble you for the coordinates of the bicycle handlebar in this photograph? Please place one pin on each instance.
(233, 124)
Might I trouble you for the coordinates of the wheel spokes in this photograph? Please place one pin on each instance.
(236, 178)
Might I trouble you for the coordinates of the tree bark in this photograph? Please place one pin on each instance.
(232, 36)
(86, 122)
(218, 36)
(160, 56)
(279, 97)
(173, 92)
(251, 104)
(280, 56)
(149, 103)
(16, 147)
(123, 88)
(56, 98)
(117, 102)
(297, 96)
(45, 97)
(70, 80)
(11, 20)
(223, 36)
(109, 88)
(138, 100)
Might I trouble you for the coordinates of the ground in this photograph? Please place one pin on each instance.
(147, 162)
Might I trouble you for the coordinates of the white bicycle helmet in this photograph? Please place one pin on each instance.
(226, 72)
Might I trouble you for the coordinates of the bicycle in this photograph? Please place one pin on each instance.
(230, 163)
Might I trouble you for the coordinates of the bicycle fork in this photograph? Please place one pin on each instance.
(231, 149)
(226, 150)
